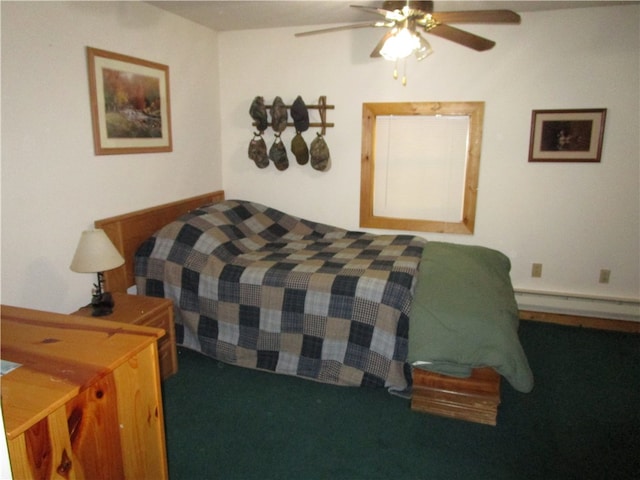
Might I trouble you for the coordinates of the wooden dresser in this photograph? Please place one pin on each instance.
(86, 400)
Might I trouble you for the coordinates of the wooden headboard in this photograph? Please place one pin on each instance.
(128, 231)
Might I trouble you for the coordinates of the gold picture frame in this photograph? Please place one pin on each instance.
(567, 135)
(130, 104)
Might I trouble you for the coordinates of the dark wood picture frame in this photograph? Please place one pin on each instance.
(567, 135)
(130, 104)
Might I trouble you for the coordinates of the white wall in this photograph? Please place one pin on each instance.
(574, 218)
(53, 186)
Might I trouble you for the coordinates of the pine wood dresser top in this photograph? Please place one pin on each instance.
(60, 355)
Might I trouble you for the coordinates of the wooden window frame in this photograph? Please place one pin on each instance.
(370, 112)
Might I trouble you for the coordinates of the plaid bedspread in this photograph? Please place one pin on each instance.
(255, 287)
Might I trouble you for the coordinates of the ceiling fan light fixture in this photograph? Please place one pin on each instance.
(400, 45)
(404, 17)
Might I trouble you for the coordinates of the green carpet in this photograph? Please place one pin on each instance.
(581, 421)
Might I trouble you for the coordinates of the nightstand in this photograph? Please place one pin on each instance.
(151, 312)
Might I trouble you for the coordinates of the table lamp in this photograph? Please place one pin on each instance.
(95, 254)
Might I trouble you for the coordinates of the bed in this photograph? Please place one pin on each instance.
(287, 295)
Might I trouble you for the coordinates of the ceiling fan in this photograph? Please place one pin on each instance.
(404, 18)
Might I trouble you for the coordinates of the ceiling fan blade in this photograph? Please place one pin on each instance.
(463, 38)
(345, 27)
(376, 51)
(477, 16)
(388, 14)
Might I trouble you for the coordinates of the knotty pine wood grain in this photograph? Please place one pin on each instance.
(86, 402)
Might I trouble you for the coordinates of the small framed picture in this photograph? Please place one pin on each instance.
(130, 106)
(567, 135)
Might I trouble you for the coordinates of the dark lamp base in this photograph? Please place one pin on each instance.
(102, 304)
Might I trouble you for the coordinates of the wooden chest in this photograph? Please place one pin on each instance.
(475, 399)
(85, 401)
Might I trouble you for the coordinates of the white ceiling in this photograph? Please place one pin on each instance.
(244, 15)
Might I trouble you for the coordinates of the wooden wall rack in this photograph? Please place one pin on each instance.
(322, 107)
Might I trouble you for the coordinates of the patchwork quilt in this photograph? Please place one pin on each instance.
(259, 288)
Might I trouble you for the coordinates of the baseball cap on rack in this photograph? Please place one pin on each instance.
(258, 151)
(300, 115)
(278, 153)
(279, 115)
(320, 156)
(299, 149)
(258, 112)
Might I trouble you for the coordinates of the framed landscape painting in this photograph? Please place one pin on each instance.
(130, 106)
(567, 135)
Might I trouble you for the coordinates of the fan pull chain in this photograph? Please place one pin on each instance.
(404, 74)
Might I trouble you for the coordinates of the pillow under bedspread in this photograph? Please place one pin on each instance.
(464, 314)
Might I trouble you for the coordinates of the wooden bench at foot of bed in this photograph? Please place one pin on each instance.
(475, 398)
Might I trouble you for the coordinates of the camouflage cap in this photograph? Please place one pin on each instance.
(320, 153)
(278, 154)
(279, 115)
(258, 112)
(258, 151)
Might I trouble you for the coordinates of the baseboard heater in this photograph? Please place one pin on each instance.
(583, 305)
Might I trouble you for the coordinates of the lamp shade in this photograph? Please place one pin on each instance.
(95, 253)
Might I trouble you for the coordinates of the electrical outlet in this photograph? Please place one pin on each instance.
(604, 275)
(536, 270)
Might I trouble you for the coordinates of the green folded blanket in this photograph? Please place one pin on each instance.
(464, 314)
